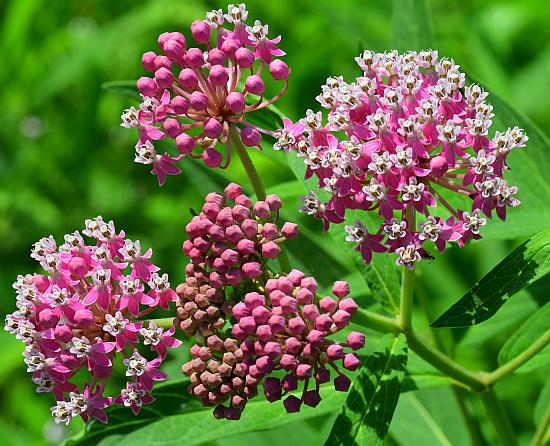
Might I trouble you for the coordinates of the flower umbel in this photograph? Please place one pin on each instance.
(197, 93)
(409, 140)
(83, 313)
(249, 321)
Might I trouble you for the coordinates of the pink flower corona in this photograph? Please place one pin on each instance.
(197, 93)
(405, 137)
(250, 322)
(83, 312)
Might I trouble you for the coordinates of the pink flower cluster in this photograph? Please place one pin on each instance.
(198, 93)
(228, 245)
(406, 136)
(280, 327)
(276, 323)
(84, 311)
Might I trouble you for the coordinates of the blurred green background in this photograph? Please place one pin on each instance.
(64, 157)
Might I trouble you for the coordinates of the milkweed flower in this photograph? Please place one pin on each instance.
(83, 313)
(198, 92)
(409, 141)
(249, 321)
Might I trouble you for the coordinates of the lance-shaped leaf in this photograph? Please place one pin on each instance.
(411, 25)
(200, 426)
(536, 329)
(368, 410)
(526, 264)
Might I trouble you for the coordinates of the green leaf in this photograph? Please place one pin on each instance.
(171, 397)
(501, 324)
(126, 88)
(196, 427)
(429, 417)
(526, 264)
(411, 25)
(533, 329)
(421, 375)
(368, 410)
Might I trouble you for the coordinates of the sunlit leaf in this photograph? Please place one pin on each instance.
(526, 264)
(532, 330)
(368, 410)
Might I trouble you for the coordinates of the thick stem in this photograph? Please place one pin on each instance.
(251, 171)
(499, 418)
(543, 431)
(406, 303)
(407, 284)
(519, 360)
(376, 322)
(445, 363)
(256, 182)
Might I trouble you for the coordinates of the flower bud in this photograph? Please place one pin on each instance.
(188, 79)
(164, 77)
(200, 30)
(148, 60)
(235, 102)
(279, 70)
(255, 85)
(147, 86)
(250, 136)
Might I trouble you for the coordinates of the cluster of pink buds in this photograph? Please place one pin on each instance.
(274, 320)
(406, 136)
(83, 312)
(279, 327)
(228, 245)
(198, 93)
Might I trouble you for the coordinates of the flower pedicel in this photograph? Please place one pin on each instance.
(402, 139)
(84, 312)
(197, 93)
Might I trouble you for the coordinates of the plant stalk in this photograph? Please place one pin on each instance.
(406, 302)
(445, 363)
(499, 418)
(543, 431)
(256, 183)
(519, 360)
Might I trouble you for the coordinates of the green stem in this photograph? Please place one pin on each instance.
(256, 182)
(406, 302)
(166, 322)
(499, 418)
(407, 284)
(248, 165)
(519, 360)
(376, 322)
(543, 430)
(445, 363)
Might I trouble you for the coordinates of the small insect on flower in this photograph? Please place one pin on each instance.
(197, 93)
(84, 313)
(407, 137)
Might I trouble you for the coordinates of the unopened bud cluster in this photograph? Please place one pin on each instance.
(83, 313)
(401, 140)
(250, 322)
(198, 92)
(229, 243)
